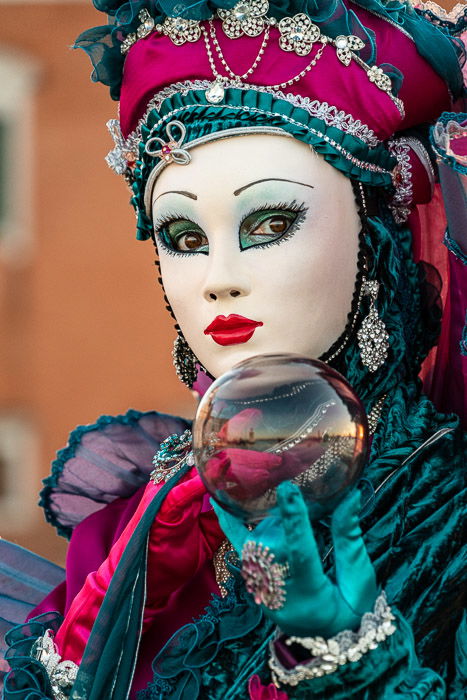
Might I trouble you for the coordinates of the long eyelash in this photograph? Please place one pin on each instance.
(300, 209)
(165, 220)
(168, 218)
(290, 206)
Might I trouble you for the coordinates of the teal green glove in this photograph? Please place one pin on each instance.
(314, 604)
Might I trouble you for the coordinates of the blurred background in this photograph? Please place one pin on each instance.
(83, 328)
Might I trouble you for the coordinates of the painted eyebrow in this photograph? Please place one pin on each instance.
(190, 195)
(270, 179)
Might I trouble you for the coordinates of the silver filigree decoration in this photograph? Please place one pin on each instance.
(124, 155)
(298, 34)
(372, 336)
(345, 45)
(379, 78)
(346, 647)
(62, 674)
(246, 17)
(264, 577)
(145, 27)
(174, 452)
(401, 203)
(180, 30)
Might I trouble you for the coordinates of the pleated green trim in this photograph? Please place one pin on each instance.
(347, 152)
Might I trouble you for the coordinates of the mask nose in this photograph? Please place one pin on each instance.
(233, 293)
(227, 277)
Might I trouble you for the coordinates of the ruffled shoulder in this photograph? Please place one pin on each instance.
(104, 461)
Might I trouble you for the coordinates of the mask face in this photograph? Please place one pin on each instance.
(258, 244)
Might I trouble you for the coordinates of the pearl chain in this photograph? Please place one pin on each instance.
(212, 32)
(238, 78)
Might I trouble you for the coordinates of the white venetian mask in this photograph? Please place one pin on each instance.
(258, 245)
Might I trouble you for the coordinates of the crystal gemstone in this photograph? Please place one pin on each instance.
(215, 94)
(241, 11)
(341, 43)
(181, 25)
(297, 33)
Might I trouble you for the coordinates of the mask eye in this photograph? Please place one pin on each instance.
(182, 236)
(269, 225)
(191, 241)
(273, 226)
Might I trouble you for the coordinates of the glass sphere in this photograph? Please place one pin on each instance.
(274, 418)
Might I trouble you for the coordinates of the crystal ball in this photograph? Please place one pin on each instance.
(274, 418)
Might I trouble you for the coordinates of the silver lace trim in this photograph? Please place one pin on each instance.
(345, 647)
(62, 674)
(448, 15)
(331, 115)
(401, 203)
(126, 150)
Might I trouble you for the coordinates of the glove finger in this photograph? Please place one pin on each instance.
(234, 529)
(355, 573)
(302, 551)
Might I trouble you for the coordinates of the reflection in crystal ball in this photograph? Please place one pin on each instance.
(274, 418)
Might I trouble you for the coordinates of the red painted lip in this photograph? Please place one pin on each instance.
(232, 329)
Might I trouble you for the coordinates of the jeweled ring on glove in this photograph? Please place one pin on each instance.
(264, 577)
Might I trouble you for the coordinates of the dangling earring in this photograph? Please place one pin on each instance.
(372, 336)
(184, 361)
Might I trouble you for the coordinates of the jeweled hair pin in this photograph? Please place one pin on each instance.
(171, 151)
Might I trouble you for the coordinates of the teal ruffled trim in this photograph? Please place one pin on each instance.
(244, 108)
(215, 655)
(434, 43)
(131, 418)
(454, 28)
(28, 679)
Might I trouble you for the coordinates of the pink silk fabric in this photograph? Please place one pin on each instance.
(183, 539)
(155, 62)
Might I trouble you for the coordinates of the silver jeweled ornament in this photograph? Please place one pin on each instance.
(264, 577)
(372, 335)
(216, 93)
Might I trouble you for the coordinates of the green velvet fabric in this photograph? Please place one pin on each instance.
(413, 532)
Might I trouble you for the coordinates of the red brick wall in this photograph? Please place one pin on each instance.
(83, 328)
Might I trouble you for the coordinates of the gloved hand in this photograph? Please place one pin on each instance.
(314, 604)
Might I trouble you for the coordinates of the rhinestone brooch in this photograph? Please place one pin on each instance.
(246, 17)
(298, 33)
(144, 29)
(264, 577)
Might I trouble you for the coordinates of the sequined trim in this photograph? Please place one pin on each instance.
(62, 674)
(330, 115)
(346, 647)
